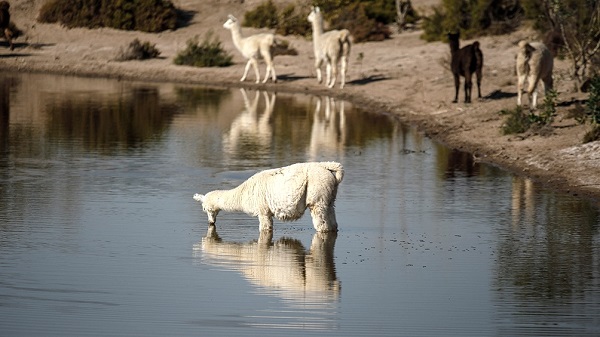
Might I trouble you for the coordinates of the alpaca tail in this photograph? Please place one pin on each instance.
(336, 168)
(345, 38)
(478, 54)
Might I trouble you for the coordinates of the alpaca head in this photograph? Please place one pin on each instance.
(231, 22)
(315, 14)
(453, 36)
(208, 207)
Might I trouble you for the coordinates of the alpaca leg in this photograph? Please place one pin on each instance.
(267, 73)
(255, 66)
(334, 72)
(456, 85)
(520, 83)
(270, 68)
(533, 99)
(323, 218)
(328, 74)
(331, 220)
(8, 35)
(343, 71)
(318, 69)
(333, 76)
(318, 218)
(468, 87)
(479, 76)
(265, 222)
(265, 238)
(248, 64)
(273, 74)
(532, 91)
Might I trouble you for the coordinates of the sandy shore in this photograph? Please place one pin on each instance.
(403, 75)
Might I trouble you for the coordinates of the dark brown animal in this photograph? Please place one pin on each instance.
(465, 61)
(5, 23)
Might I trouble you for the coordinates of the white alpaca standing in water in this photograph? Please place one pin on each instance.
(253, 48)
(284, 193)
(332, 47)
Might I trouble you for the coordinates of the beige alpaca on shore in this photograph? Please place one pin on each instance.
(253, 48)
(332, 47)
(534, 63)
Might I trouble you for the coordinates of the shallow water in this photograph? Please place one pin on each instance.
(99, 234)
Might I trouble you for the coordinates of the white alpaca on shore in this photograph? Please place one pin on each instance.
(332, 47)
(534, 62)
(284, 193)
(253, 48)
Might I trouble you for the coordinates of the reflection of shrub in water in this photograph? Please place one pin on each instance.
(543, 258)
(202, 98)
(126, 121)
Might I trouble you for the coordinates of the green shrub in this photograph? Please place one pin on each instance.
(592, 135)
(138, 51)
(287, 21)
(548, 110)
(517, 121)
(263, 16)
(592, 107)
(472, 18)
(293, 21)
(207, 54)
(354, 18)
(143, 15)
(367, 20)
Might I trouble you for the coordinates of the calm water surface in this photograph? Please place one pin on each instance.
(99, 234)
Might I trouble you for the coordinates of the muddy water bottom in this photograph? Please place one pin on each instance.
(99, 234)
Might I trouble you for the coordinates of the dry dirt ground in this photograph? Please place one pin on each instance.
(403, 75)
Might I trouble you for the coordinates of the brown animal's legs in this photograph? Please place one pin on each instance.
(8, 35)
(479, 76)
(468, 87)
(456, 85)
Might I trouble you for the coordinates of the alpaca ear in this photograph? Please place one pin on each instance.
(317, 9)
(199, 197)
(231, 17)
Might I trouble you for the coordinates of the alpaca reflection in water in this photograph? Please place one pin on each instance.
(328, 133)
(251, 129)
(283, 268)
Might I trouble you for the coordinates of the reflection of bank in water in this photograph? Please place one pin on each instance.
(305, 280)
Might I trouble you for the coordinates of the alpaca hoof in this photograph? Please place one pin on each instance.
(455, 101)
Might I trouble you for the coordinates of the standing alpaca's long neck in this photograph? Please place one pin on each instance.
(454, 46)
(236, 36)
(317, 26)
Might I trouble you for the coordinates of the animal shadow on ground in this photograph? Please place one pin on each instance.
(499, 94)
(576, 102)
(369, 79)
(290, 77)
(4, 44)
